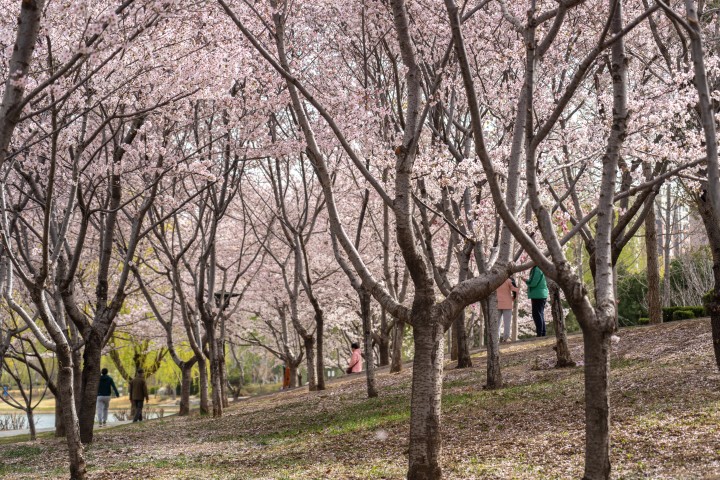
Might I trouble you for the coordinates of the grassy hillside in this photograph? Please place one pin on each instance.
(665, 424)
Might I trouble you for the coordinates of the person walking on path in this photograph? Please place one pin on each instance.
(355, 363)
(505, 298)
(538, 293)
(138, 393)
(105, 388)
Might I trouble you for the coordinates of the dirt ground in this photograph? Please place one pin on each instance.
(665, 423)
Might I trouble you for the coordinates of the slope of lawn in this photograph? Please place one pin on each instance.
(665, 424)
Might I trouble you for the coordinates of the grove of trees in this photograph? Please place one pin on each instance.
(203, 178)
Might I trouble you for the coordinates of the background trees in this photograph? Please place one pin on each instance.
(217, 176)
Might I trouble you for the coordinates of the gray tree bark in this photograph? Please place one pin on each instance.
(712, 303)
(667, 243)
(78, 469)
(18, 67)
(426, 396)
(203, 380)
(186, 379)
(383, 340)
(651, 252)
(494, 373)
(367, 340)
(398, 334)
(707, 116)
(564, 358)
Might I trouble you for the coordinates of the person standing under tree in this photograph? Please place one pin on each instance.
(138, 393)
(505, 297)
(286, 378)
(538, 293)
(105, 388)
(355, 363)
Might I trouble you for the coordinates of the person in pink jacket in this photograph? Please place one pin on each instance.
(505, 301)
(355, 363)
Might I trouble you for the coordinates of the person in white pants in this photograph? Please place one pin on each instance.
(505, 300)
(103, 397)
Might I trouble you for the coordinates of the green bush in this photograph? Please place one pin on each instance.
(632, 322)
(669, 312)
(708, 297)
(571, 323)
(682, 315)
(709, 302)
(632, 291)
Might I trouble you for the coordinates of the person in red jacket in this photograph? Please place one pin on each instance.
(286, 377)
(505, 299)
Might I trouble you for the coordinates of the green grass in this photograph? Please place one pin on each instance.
(618, 363)
(8, 469)
(366, 415)
(20, 451)
(25, 437)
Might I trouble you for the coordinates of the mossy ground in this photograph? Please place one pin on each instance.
(665, 424)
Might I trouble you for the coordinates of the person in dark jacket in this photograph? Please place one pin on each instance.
(105, 388)
(138, 393)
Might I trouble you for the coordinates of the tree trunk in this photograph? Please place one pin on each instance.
(653, 270)
(90, 381)
(60, 430)
(597, 404)
(494, 374)
(293, 374)
(397, 346)
(186, 372)
(367, 337)
(31, 424)
(203, 380)
(460, 334)
(310, 360)
(217, 404)
(666, 248)
(712, 304)
(514, 331)
(77, 378)
(223, 374)
(470, 328)
(463, 347)
(482, 314)
(383, 340)
(65, 384)
(713, 308)
(453, 343)
(319, 340)
(425, 438)
(564, 359)
(59, 424)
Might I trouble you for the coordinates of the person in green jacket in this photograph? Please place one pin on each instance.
(538, 293)
(103, 397)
